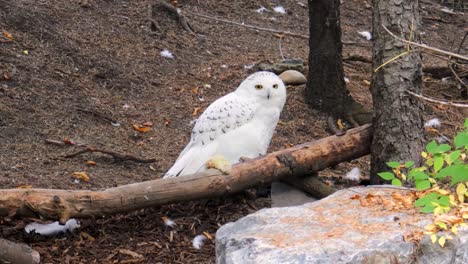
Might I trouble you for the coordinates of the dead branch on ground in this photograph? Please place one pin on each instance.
(279, 32)
(437, 101)
(284, 164)
(11, 252)
(183, 20)
(86, 149)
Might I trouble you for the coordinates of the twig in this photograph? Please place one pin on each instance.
(436, 101)
(97, 115)
(281, 48)
(115, 155)
(436, 50)
(280, 32)
(183, 20)
(357, 57)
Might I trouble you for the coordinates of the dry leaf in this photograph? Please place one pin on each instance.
(196, 111)
(220, 163)
(208, 235)
(8, 35)
(6, 76)
(166, 122)
(195, 90)
(91, 163)
(81, 176)
(130, 253)
(366, 82)
(68, 141)
(405, 200)
(142, 129)
(24, 187)
(355, 197)
(86, 236)
(448, 219)
(339, 122)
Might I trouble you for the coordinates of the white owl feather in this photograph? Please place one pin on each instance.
(239, 124)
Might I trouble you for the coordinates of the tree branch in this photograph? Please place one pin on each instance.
(299, 160)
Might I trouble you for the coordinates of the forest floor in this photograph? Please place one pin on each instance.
(72, 67)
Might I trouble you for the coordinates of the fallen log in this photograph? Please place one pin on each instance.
(292, 162)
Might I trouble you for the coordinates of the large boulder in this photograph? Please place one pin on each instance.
(338, 229)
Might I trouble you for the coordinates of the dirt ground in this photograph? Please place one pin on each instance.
(73, 66)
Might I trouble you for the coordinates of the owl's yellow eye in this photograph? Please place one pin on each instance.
(275, 86)
(258, 87)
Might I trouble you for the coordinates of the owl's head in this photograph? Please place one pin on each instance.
(264, 86)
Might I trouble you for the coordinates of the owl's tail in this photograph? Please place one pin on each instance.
(191, 160)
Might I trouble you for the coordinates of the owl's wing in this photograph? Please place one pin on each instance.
(222, 116)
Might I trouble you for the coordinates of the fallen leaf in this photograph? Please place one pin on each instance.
(339, 122)
(8, 35)
(81, 176)
(196, 111)
(366, 82)
(148, 124)
(355, 197)
(25, 52)
(142, 129)
(86, 236)
(448, 219)
(6, 76)
(91, 163)
(208, 235)
(69, 141)
(195, 90)
(130, 253)
(166, 122)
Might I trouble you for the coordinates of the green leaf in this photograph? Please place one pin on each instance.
(423, 185)
(396, 182)
(409, 164)
(461, 139)
(427, 199)
(466, 123)
(458, 173)
(444, 200)
(386, 175)
(431, 147)
(450, 158)
(419, 175)
(438, 163)
(427, 209)
(443, 148)
(393, 164)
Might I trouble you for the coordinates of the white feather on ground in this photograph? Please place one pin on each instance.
(365, 34)
(279, 9)
(432, 123)
(354, 174)
(167, 54)
(52, 228)
(168, 222)
(198, 241)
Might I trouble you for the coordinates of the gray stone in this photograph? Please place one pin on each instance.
(283, 195)
(336, 229)
(292, 77)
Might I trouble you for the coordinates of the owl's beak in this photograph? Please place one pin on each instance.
(268, 95)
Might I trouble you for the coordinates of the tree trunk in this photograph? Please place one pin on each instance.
(11, 252)
(398, 117)
(326, 90)
(292, 162)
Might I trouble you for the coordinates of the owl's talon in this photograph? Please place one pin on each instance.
(220, 163)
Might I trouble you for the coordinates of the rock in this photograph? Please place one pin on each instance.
(278, 68)
(292, 77)
(283, 195)
(336, 229)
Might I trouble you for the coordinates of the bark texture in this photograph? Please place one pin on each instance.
(326, 90)
(292, 162)
(398, 117)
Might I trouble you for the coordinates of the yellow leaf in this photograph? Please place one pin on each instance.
(91, 163)
(403, 176)
(8, 35)
(81, 176)
(430, 228)
(220, 163)
(465, 216)
(25, 52)
(443, 192)
(463, 156)
(340, 124)
(424, 154)
(461, 191)
(442, 241)
(454, 230)
(433, 238)
(437, 210)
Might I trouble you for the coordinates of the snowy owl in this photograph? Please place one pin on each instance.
(239, 124)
